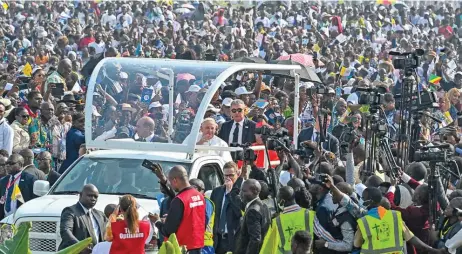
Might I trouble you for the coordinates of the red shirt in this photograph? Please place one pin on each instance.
(446, 31)
(85, 41)
(125, 242)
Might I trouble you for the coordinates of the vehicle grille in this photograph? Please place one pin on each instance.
(36, 244)
(43, 226)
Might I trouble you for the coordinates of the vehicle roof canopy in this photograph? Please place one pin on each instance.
(134, 83)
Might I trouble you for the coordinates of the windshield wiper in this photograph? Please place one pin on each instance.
(65, 192)
(136, 195)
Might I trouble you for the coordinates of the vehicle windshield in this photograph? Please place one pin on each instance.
(116, 176)
(136, 88)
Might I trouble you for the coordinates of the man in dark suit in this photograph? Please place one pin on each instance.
(29, 166)
(256, 220)
(311, 133)
(81, 220)
(239, 130)
(44, 163)
(145, 128)
(15, 177)
(227, 209)
(88, 68)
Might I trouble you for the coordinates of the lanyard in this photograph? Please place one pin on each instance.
(12, 182)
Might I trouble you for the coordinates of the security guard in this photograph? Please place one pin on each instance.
(209, 217)
(382, 231)
(293, 219)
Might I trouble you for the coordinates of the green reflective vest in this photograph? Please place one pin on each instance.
(208, 236)
(382, 235)
(279, 236)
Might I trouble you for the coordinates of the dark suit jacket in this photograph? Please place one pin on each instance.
(53, 177)
(31, 169)
(233, 211)
(26, 186)
(76, 226)
(331, 144)
(254, 226)
(248, 133)
(87, 69)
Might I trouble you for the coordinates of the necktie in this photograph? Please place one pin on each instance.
(236, 133)
(94, 226)
(222, 223)
(8, 196)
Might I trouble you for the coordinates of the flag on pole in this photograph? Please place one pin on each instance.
(16, 194)
(434, 79)
(27, 70)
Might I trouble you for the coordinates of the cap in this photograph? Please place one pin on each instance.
(227, 102)
(194, 89)
(95, 111)
(212, 108)
(123, 75)
(241, 90)
(458, 73)
(155, 104)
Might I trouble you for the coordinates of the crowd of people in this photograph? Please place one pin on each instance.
(326, 203)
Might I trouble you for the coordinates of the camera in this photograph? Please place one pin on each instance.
(275, 139)
(248, 154)
(371, 96)
(407, 60)
(183, 126)
(322, 178)
(439, 156)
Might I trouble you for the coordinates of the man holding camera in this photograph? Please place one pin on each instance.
(313, 133)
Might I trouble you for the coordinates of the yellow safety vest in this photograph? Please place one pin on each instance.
(382, 236)
(279, 236)
(208, 235)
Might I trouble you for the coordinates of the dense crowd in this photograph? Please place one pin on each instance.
(327, 201)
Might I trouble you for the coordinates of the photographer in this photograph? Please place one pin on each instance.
(313, 133)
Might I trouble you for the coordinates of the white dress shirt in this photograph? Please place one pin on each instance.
(94, 223)
(239, 139)
(6, 136)
(215, 141)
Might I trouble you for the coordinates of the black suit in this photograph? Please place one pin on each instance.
(331, 144)
(53, 176)
(77, 226)
(88, 68)
(26, 186)
(233, 215)
(248, 131)
(254, 226)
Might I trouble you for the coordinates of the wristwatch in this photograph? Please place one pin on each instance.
(326, 244)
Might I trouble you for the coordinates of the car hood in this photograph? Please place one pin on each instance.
(53, 205)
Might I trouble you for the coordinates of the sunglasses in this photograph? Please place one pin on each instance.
(229, 175)
(11, 163)
(235, 110)
(25, 116)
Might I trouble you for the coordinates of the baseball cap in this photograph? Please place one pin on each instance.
(227, 102)
(241, 91)
(194, 89)
(155, 104)
(212, 108)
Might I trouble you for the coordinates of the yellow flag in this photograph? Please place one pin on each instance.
(342, 71)
(360, 59)
(16, 194)
(5, 6)
(316, 48)
(27, 70)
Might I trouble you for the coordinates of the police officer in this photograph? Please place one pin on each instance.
(293, 219)
(383, 231)
(209, 217)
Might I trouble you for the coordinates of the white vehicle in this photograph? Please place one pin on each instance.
(121, 160)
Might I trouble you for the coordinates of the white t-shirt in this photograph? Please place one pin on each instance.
(99, 47)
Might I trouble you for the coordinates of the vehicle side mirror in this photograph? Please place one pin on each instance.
(41, 187)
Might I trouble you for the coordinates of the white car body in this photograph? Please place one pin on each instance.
(44, 212)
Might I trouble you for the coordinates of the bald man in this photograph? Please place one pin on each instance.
(256, 219)
(144, 129)
(29, 166)
(81, 220)
(186, 216)
(60, 75)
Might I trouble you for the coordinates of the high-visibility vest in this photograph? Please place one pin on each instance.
(278, 239)
(208, 236)
(382, 235)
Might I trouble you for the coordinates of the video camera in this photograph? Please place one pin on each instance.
(371, 96)
(407, 60)
(248, 154)
(275, 139)
(183, 126)
(427, 153)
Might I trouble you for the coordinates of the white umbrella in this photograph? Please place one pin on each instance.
(182, 10)
(189, 6)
